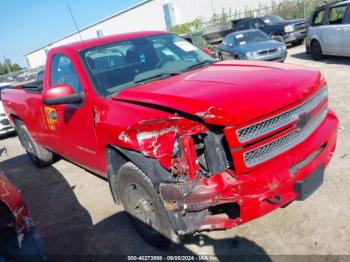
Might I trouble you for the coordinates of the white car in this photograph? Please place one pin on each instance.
(5, 124)
(329, 33)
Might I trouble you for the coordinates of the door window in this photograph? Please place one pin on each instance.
(63, 72)
(231, 41)
(243, 25)
(318, 18)
(256, 24)
(224, 42)
(336, 15)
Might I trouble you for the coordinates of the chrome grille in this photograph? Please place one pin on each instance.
(283, 144)
(266, 126)
(301, 26)
(269, 51)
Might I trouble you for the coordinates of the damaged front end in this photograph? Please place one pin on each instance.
(199, 169)
(195, 159)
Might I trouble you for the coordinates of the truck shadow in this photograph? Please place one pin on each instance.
(336, 60)
(70, 234)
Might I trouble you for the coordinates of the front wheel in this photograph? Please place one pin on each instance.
(144, 207)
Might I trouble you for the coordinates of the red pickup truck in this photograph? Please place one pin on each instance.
(186, 143)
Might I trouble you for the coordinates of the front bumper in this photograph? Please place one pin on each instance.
(295, 36)
(255, 193)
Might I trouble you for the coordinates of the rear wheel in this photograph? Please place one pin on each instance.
(237, 57)
(39, 156)
(220, 57)
(144, 207)
(316, 50)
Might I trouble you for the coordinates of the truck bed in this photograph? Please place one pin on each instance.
(33, 87)
(25, 103)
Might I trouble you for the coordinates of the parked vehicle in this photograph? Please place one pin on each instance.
(5, 125)
(251, 44)
(19, 240)
(187, 144)
(287, 31)
(329, 32)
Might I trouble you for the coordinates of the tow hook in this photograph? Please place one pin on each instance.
(276, 199)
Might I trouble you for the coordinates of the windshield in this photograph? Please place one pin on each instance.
(250, 37)
(125, 64)
(273, 20)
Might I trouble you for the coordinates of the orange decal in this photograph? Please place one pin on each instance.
(49, 120)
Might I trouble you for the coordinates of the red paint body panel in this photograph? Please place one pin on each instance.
(229, 95)
(239, 92)
(12, 198)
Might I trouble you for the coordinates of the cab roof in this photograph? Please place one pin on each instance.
(86, 44)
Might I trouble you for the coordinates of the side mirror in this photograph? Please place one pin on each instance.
(61, 95)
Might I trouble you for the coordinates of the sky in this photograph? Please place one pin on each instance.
(26, 25)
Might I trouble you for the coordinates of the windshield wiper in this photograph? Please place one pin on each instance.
(155, 77)
(198, 65)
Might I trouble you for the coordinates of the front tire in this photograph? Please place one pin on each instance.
(144, 207)
(38, 155)
(316, 50)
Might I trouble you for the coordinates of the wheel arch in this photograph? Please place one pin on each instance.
(118, 156)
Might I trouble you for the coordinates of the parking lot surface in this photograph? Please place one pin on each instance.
(75, 215)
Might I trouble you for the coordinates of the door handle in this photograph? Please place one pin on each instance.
(340, 29)
(53, 115)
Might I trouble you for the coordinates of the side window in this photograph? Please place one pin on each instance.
(231, 41)
(63, 72)
(256, 24)
(318, 18)
(243, 25)
(336, 15)
(225, 41)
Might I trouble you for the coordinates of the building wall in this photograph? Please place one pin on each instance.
(150, 16)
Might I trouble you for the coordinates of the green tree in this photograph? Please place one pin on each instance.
(186, 28)
(4, 68)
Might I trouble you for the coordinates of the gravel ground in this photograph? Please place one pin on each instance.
(75, 214)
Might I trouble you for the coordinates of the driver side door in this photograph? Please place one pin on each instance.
(71, 126)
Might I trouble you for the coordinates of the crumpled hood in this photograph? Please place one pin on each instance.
(229, 93)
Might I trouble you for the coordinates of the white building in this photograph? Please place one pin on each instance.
(149, 15)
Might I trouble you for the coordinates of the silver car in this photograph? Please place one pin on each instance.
(251, 44)
(329, 33)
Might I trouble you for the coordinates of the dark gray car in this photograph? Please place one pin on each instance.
(251, 44)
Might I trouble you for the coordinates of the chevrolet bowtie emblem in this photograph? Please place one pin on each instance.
(303, 120)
